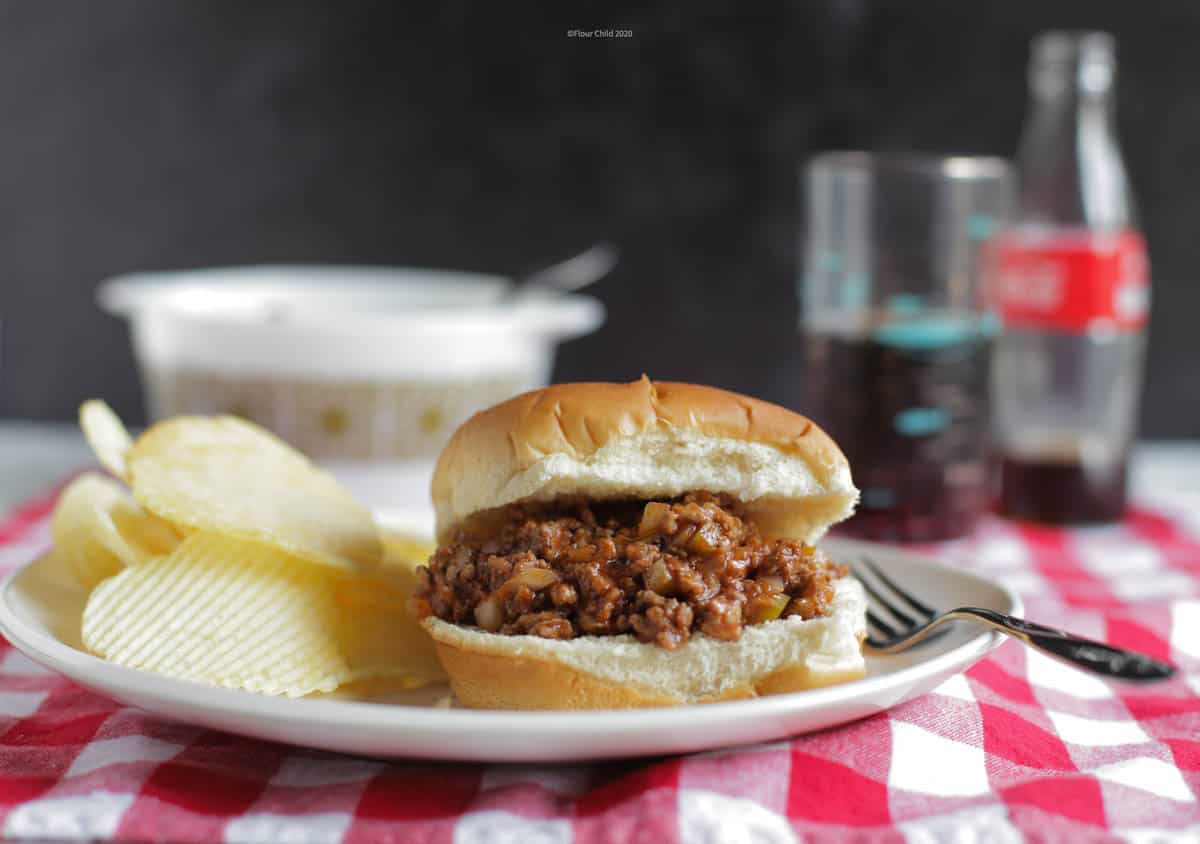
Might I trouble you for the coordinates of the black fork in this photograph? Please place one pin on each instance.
(912, 621)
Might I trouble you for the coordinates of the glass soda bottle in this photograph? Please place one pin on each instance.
(1072, 286)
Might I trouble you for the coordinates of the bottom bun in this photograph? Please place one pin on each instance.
(493, 671)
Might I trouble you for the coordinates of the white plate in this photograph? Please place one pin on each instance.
(41, 618)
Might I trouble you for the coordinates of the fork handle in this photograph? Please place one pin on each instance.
(1095, 657)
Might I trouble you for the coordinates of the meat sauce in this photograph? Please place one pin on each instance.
(661, 570)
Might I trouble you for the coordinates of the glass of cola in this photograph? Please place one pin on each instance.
(897, 331)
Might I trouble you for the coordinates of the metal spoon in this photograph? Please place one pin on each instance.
(567, 276)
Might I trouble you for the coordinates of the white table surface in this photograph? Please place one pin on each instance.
(35, 455)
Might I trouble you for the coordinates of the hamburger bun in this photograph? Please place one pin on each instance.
(649, 441)
(491, 671)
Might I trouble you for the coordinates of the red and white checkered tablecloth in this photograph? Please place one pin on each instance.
(1019, 747)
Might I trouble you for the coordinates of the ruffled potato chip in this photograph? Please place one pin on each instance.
(379, 637)
(106, 435)
(227, 475)
(223, 611)
(99, 530)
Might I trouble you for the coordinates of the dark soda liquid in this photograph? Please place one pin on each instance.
(912, 418)
(1062, 492)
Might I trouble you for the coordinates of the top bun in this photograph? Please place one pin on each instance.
(646, 440)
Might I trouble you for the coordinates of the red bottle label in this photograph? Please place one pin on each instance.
(1074, 281)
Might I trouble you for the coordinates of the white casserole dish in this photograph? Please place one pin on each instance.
(346, 363)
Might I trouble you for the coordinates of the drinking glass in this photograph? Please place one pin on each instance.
(898, 331)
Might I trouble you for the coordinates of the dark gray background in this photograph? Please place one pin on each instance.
(141, 135)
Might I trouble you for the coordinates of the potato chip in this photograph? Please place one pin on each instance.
(402, 554)
(224, 474)
(106, 435)
(98, 529)
(404, 550)
(152, 536)
(379, 636)
(50, 582)
(223, 611)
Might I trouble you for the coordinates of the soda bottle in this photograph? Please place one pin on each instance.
(1072, 287)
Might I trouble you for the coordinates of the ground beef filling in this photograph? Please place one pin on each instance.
(660, 570)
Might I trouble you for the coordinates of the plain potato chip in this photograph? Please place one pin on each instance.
(223, 611)
(151, 535)
(405, 551)
(99, 530)
(106, 434)
(379, 636)
(402, 554)
(227, 475)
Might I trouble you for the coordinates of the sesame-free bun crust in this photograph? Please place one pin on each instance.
(494, 671)
(646, 439)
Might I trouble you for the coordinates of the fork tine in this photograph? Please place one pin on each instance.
(889, 606)
(883, 627)
(902, 594)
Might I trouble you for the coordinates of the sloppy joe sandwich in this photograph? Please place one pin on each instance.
(642, 544)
